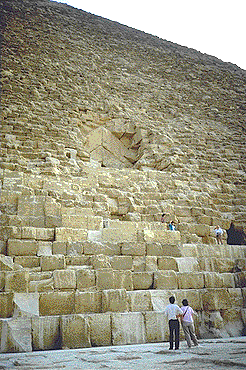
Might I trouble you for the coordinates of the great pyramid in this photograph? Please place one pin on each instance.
(105, 128)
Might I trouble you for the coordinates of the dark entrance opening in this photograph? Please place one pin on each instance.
(236, 235)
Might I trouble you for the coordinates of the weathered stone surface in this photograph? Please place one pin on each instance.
(16, 281)
(22, 247)
(6, 304)
(56, 303)
(128, 328)
(165, 279)
(114, 300)
(50, 263)
(85, 278)
(100, 329)
(143, 280)
(75, 331)
(156, 327)
(46, 333)
(88, 302)
(139, 301)
(64, 279)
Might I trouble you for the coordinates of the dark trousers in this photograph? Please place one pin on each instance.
(174, 328)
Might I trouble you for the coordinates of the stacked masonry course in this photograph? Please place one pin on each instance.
(104, 128)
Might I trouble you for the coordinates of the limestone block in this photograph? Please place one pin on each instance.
(100, 261)
(6, 263)
(189, 250)
(94, 222)
(59, 247)
(44, 248)
(64, 234)
(240, 279)
(114, 235)
(6, 304)
(47, 234)
(139, 264)
(156, 327)
(213, 280)
(52, 211)
(193, 296)
(17, 335)
(11, 232)
(133, 249)
(232, 319)
(2, 247)
(218, 299)
(51, 263)
(27, 261)
(139, 300)
(75, 331)
(24, 247)
(114, 300)
(74, 248)
(109, 249)
(160, 235)
(86, 302)
(228, 280)
(31, 205)
(193, 280)
(123, 279)
(128, 328)
(64, 279)
(202, 230)
(151, 263)
(166, 279)
(187, 264)
(167, 263)
(46, 333)
(143, 280)
(56, 303)
(28, 232)
(154, 249)
(2, 280)
(100, 329)
(105, 279)
(77, 260)
(16, 281)
(41, 285)
(223, 264)
(85, 278)
(182, 211)
(121, 262)
(76, 221)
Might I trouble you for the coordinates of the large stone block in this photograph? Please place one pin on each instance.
(16, 247)
(27, 261)
(46, 333)
(133, 249)
(100, 261)
(56, 303)
(139, 301)
(233, 321)
(6, 304)
(16, 281)
(221, 299)
(167, 263)
(47, 234)
(88, 302)
(160, 235)
(66, 234)
(44, 248)
(121, 262)
(6, 263)
(128, 328)
(64, 279)
(192, 295)
(114, 300)
(59, 248)
(126, 233)
(75, 331)
(109, 249)
(165, 279)
(123, 279)
(16, 335)
(213, 280)
(143, 280)
(100, 329)
(85, 278)
(11, 232)
(193, 280)
(51, 263)
(187, 264)
(156, 327)
(31, 205)
(105, 279)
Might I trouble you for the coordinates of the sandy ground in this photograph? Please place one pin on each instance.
(219, 354)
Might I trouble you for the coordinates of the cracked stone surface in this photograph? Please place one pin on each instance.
(211, 354)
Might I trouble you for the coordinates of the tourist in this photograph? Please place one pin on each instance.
(163, 218)
(219, 233)
(172, 226)
(187, 323)
(173, 312)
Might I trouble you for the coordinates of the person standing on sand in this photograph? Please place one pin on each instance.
(173, 312)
